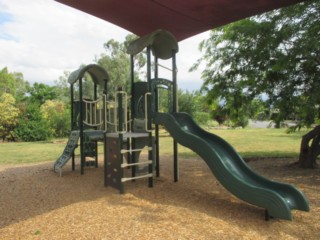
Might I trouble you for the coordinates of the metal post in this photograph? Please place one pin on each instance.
(132, 156)
(105, 160)
(132, 88)
(71, 128)
(105, 105)
(120, 142)
(82, 157)
(105, 133)
(156, 73)
(150, 155)
(175, 108)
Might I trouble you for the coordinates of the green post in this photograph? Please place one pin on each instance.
(105, 159)
(157, 126)
(72, 128)
(150, 155)
(82, 155)
(120, 142)
(175, 106)
(132, 156)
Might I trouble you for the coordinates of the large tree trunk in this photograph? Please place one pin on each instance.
(310, 148)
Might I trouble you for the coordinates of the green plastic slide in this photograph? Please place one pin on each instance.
(67, 152)
(231, 170)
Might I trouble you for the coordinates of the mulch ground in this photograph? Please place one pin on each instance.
(35, 203)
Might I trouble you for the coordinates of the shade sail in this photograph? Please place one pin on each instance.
(183, 18)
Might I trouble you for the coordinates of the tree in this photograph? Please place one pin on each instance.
(186, 102)
(276, 54)
(117, 63)
(32, 126)
(194, 103)
(57, 116)
(310, 148)
(63, 87)
(13, 83)
(40, 92)
(7, 82)
(8, 115)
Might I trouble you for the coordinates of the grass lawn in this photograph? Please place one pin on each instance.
(30, 152)
(248, 142)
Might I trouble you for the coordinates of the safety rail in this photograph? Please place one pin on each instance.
(94, 112)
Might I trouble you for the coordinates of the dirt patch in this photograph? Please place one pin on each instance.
(37, 204)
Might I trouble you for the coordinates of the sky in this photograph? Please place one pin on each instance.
(44, 38)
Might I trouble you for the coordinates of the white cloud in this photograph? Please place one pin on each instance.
(42, 38)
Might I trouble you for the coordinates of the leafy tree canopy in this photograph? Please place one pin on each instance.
(8, 115)
(40, 92)
(12, 83)
(117, 63)
(276, 54)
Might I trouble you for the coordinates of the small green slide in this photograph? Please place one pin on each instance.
(231, 170)
(68, 151)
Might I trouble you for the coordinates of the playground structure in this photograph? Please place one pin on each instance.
(124, 123)
(129, 123)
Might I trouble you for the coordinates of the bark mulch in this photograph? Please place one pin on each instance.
(35, 203)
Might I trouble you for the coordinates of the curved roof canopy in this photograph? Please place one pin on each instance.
(98, 74)
(183, 18)
(162, 44)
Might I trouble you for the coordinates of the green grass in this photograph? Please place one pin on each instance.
(30, 152)
(248, 142)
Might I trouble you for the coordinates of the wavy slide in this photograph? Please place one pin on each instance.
(231, 170)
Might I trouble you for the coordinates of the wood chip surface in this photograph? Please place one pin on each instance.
(35, 203)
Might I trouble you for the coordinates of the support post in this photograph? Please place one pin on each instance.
(105, 159)
(175, 109)
(120, 142)
(82, 155)
(156, 75)
(72, 127)
(150, 155)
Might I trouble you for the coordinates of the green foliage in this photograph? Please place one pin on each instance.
(40, 92)
(32, 126)
(275, 54)
(8, 115)
(186, 102)
(202, 118)
(57, 117)
(7, 82)
(63, 88)
(194, 103)
(117, 63)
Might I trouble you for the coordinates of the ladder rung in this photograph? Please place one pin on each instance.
(123, 165)
(135, 150)
(132, 178)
